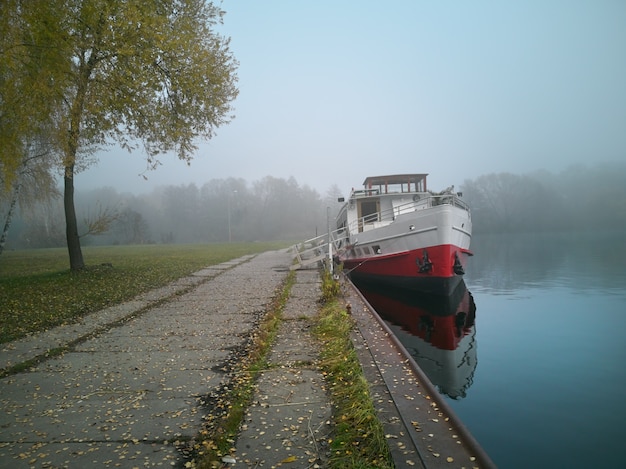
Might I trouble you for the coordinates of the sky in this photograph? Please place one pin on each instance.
(331, 92)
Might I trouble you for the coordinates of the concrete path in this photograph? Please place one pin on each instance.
(124, 397)
(289, 422)
(129, 391)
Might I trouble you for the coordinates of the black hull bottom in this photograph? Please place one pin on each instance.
(443, 286)
(435, 305)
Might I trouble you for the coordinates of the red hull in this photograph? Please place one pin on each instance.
(433, 269)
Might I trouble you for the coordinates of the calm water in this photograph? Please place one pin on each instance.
(539, 376)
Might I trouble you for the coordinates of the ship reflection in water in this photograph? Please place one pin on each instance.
(438, 331)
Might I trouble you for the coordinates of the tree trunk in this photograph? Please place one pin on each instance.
(7, 223)
(71, 225)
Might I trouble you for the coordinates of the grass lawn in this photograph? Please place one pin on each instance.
(38, 291)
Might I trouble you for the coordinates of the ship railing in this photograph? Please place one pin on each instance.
(320, 249)
(420, 201)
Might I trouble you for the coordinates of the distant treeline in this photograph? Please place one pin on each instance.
(579, 198)
(218, 211)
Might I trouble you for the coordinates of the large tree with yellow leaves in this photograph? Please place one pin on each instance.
(153, 74)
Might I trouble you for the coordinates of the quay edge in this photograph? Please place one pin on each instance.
(436, 436)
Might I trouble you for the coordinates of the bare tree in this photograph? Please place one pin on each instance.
(132, 227)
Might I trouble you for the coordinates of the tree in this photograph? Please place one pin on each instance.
(30, 69)
(32, 184)
(224, 204)
(182, 205)
(132, 227)
(510, 202)
(151, 74)
(285, 210)
(333, 195)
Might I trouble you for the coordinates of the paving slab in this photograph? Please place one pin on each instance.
(294, 344)
(289, 421)
(89, 455)
(19, 351)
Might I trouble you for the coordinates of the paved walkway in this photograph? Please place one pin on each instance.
(124, 397)
(130, 389)
(289, 421)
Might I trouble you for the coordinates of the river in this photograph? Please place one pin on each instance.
(530, 351)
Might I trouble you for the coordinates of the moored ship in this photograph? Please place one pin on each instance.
(396, 231)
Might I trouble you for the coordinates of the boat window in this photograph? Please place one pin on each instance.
(376, 249)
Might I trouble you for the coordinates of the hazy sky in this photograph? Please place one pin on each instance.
(334, 91)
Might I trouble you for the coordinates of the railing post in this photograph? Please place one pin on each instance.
(330, 247)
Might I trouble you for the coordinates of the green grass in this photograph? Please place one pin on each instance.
(358, 435)
(38, 290)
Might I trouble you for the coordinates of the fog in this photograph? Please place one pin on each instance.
(333, 92)
(221, 210)
(581, 198)
(517, 97)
